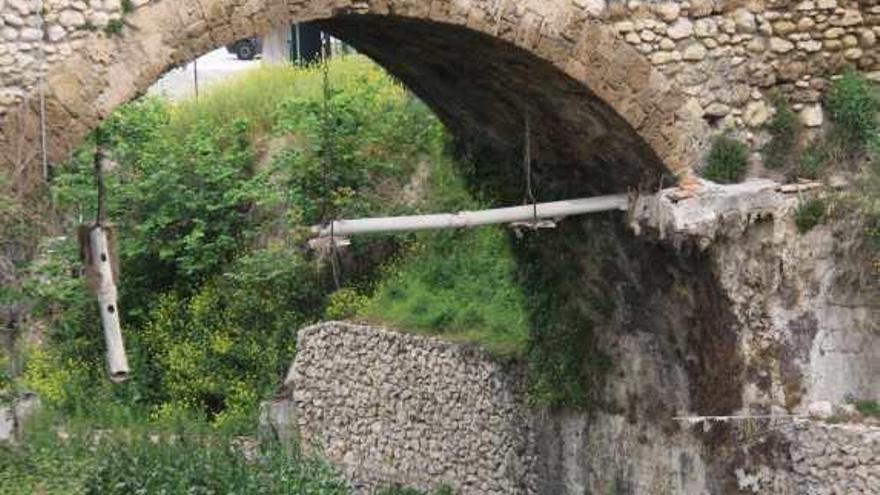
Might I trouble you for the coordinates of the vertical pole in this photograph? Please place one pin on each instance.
(44, 156)
(298, 48)
(196, 77)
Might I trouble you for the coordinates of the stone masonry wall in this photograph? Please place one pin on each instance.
(62, 30)
(732, 57)
(829, 458)
(807, 305)
(814, 457)
(394, 409)
(390, 408)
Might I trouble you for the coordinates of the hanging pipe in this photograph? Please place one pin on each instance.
(117, 362)
(104, 283)
(464, 219)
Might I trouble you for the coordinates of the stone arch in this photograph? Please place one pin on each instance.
(479, 64)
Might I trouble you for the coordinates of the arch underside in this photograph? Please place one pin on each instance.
(484, 88)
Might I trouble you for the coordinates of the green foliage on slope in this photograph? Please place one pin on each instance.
(458, 284)
(209, 199)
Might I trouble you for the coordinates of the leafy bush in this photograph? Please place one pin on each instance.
(784, 129)
(344, 303)
(223, 349)
(853, 104)
(728, 160)
(810, 214)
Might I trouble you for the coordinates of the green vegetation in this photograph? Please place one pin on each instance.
(440, 287)
(813, 162)
(459, 284)
(784, 129)
(809, 214)
(64, 457)
(208, 211)
(869, 408)
(114, 27)
(728, 160)
(853, 103)
(209, 199)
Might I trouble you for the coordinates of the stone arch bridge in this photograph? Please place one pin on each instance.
(624, 90)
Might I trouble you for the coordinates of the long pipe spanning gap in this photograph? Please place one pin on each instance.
(466, 219)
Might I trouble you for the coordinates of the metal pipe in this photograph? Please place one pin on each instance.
(464, 219)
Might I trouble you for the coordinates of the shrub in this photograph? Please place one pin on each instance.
(221, 350)
(728, 160)
(810, 214)
(784, 129)
(812, 163)
(853, 104)
(345, 303)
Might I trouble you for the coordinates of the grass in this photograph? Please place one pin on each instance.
(810, 214)
(784, 129)
(728, 160)
(254, 95)
(869, 408)
(813, 162)
(68, 457)
(460, 285)
(853, 102)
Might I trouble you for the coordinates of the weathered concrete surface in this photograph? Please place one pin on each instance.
(807, 305)
(14, 415)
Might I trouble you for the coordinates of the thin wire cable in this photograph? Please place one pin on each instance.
(44, 144)
(527, 165)
(326, 158)
(100, 213)
(334, 254)
(325, 129)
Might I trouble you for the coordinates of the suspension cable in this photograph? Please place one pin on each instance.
(101, 209)
(325, 129)
(41, 88)
(327, 154)
(527, 166)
